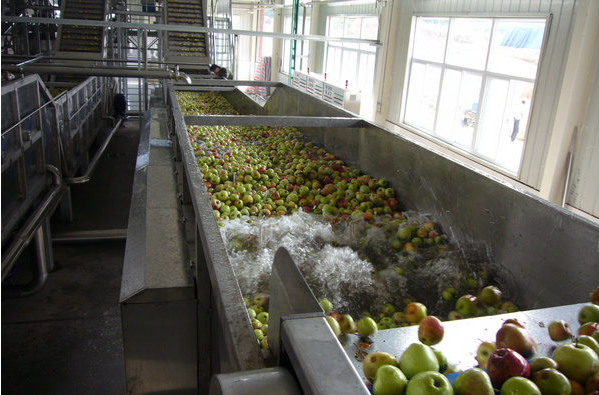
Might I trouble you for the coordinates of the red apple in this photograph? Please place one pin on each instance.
(430, 330)
(559, 330)
(594, 296)
(588, 328)
(516, 338)
(505, 363)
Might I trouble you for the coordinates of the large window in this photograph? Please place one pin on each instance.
(351, 62)
(471, 82)
(302, 49)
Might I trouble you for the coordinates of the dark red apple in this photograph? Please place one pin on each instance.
(588, 328)
(505, 363)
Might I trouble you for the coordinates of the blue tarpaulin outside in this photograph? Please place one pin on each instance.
(523, 37)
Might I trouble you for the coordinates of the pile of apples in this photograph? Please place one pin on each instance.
(257, 309)
(508, 366)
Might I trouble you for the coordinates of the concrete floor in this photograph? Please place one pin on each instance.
(67, 338)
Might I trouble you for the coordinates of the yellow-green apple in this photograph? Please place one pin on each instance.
(415, 312)
(263, 317)
(399, 317)
(559, 330)
(429, 383)
(473, 381)
(539, 363)
(519, 386)
(430, 330)
(264, 342)
(588, 313)
(448, 294)
(346, 323)
(552, 382)
(442, 359)
(467, 305)
(261, 299)
(454, 315)
(517, 338)
(508, 307)
(483, 352)
(256, 324)
(505, 363)
(389, 380)
(589, 341)
(388, 309)
(326, 305)
(259, 334)
(375, 360)
(366, 327)
(576, 361)
(595, 335)
(251, 313)
(490, 295)
(418, 358)
(334, 324)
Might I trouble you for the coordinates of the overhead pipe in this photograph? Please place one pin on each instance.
(33, 224)
(96, 71)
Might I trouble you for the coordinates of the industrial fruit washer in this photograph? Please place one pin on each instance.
(184, 318)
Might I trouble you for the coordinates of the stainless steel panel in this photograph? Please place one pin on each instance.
(264, 120)
(254, 382)
(551, 253)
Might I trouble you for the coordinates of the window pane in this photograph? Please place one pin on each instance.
(422, 96)
(516, 47)
(336, 26)
(458, 106)
(493, 118)
(370, 28)
(349, 69)
(469, 42)
(430, 37)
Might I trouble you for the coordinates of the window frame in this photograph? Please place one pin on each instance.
(485, 74)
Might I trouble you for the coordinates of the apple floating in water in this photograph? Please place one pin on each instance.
(505, 363)
(490, 295)
(467, 305)
(430, 330)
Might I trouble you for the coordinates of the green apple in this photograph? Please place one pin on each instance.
(540, 363)
(483, 352)
(259, 334)
(473, 381)
(490, 295)
(388, 309)
(442, 359)
(576, 361)
(326, 305)
(264, 342)
(375, 360)
(263, 317)
(367, 327)
(418, 358)
(346, 323)
(429, 383)
(588, 313)
(334, 325)
(467, 305)
(518, 385)
(256, 324)
(389, 380)
(589, 341)
(551, 382)
(252, 313)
